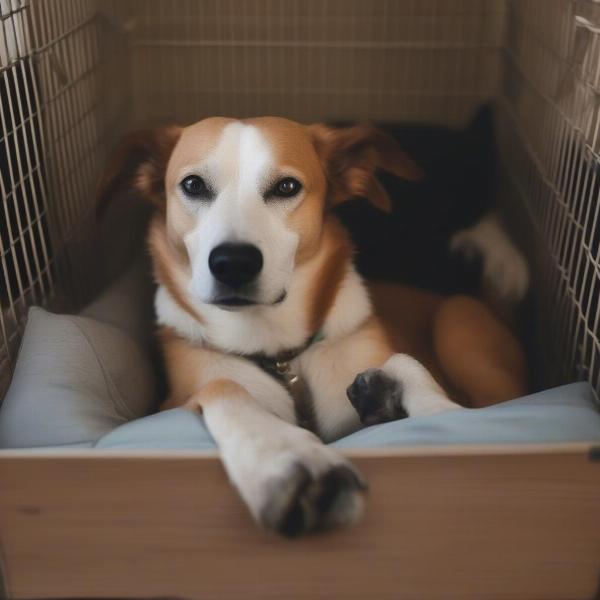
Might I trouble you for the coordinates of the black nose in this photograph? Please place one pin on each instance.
(235, 264)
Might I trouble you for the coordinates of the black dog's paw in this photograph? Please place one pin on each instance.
(377, 397)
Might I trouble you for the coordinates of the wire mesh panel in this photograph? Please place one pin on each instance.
(78, 58)
(549, 128)
(56, 122)
(310, 60)
(25, 253)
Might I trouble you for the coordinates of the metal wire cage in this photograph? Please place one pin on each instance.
(76, 74)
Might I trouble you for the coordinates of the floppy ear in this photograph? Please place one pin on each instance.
(350, 156)
(138, 164)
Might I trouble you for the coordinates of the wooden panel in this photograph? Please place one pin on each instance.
(438, 525)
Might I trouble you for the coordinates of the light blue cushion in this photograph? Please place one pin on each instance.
(75, 380)
(565, 414)
(176, 429)
(54, 449)
(79, 377)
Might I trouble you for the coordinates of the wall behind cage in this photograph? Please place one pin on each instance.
(429, 60)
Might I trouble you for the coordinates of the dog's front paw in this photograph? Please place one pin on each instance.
(300, 501)
(376, 397)
(292, 483)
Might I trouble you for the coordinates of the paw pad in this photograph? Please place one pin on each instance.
(376, 397)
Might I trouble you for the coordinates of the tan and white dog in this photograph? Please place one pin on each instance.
(267, 328)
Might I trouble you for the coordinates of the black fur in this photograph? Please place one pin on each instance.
(411, 244)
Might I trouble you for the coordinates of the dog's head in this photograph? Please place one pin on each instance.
(244, 200)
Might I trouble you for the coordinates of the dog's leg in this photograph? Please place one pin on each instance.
(291, 482)
(478, 353)
(402, 387)
(388, 386)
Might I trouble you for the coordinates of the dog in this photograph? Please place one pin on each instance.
(266, 327)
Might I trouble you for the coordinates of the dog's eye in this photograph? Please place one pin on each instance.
(195, 187)
(285, 188)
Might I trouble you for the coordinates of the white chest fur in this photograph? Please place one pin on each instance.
(269, 329)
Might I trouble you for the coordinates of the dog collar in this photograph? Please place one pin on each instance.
(279, 368)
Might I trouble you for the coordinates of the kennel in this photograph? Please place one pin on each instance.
(471, 521)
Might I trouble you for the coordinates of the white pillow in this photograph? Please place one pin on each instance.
(75, 380)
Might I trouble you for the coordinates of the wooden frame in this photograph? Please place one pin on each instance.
(510, 522)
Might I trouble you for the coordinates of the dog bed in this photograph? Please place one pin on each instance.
(87, 381)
